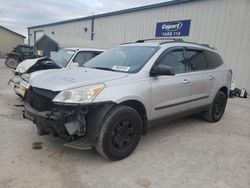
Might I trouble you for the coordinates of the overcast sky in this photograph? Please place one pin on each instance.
(20, 14)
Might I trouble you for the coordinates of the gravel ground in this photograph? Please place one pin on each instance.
(185, 153)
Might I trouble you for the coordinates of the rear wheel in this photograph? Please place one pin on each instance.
(11, 63)
(120, 133)
(217, 108)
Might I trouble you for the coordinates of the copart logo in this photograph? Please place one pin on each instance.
(172, 27)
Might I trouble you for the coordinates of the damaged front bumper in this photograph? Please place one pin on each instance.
(66, 122)
(20, 85)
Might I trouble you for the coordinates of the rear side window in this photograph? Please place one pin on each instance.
(174, 59)
(213, 60)
(195, 60)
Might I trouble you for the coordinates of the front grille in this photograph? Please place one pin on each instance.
(40, 99)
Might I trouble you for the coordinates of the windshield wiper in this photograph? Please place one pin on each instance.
(103, 68)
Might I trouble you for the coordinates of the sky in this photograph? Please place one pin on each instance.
(17, 15)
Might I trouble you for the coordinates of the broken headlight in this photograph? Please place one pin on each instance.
(26, 77)
(79, 95)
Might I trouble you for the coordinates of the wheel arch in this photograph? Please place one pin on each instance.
(140, 108)
(224, 89)
(94, 124)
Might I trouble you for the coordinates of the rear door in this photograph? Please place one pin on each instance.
(170, 94)
(202, 78)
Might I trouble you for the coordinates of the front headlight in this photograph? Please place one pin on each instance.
(26, 77)
(79, 95)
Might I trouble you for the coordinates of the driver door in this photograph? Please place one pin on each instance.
(170, 94)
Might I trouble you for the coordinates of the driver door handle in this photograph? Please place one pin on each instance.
(211, 77)
(185, 81)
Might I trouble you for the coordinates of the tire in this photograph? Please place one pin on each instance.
(11, 63)
(120, 133)
(217, 108)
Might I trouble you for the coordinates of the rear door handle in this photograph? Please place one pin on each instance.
(185, 81)
(211, 77)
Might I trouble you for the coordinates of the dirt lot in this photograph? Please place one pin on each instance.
(185, 153)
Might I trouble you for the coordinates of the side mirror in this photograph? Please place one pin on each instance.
(74, 64)
(162, 70)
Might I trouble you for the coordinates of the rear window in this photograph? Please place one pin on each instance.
(213, 60)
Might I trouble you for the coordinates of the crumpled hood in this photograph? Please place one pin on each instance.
(26, 64)
(62, 79)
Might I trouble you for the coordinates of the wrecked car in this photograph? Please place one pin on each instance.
(110, 101)
(19, 54)
(68, 57)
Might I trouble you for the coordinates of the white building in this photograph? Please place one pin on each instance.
(223, 24)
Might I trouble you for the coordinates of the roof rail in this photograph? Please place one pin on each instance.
(166, 40)
(126, 43)
(208, 46)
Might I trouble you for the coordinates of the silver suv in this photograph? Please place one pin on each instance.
(112, 100)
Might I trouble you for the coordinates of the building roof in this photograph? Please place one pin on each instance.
(12, 31)
(67, 42)
(172, 2)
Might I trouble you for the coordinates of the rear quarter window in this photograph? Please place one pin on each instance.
(213, 59)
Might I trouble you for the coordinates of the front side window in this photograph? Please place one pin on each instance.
(62, 57)
(83, 57)
(195, 60)
(128, 59)
(175, 60)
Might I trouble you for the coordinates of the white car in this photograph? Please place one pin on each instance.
(67, 57)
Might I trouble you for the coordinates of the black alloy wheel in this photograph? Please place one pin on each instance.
(217, 108)
(120, 133)
(123, 134)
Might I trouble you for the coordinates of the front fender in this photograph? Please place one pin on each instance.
(95, 118)
(138, 91)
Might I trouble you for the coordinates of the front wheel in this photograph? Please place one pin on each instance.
(217, 108)
(120, 133)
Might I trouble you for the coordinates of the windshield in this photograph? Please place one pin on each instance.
(123, 59)
(63, 56)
